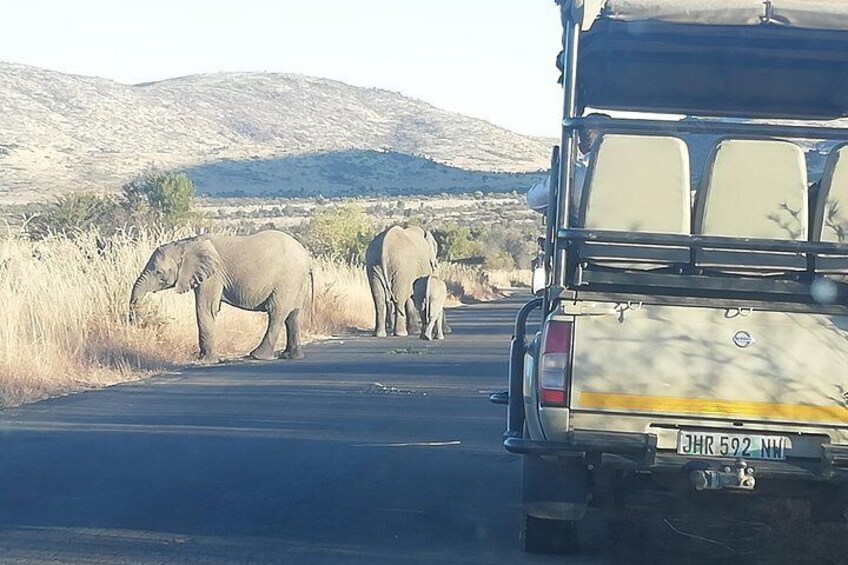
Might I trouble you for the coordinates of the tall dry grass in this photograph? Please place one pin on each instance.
(468, 284)
(342, 299)
(63, 311)
(514, 278)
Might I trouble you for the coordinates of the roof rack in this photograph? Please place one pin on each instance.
(707, 127)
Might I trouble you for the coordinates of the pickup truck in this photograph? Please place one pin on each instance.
(694, 335)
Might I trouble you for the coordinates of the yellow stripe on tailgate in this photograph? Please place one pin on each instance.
(719, 408)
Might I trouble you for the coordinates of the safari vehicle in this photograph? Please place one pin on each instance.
(694, 334)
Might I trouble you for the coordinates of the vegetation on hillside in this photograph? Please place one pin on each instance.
(348, 174)
(160, 199)
(339, 233)
(153, 199)
(496, 231)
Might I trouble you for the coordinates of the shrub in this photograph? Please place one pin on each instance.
(466, 283)
(457, 243)
(339, 233)
(499, 261)
(160, 198)
(154, 199)
(74, 214)
(508, 247)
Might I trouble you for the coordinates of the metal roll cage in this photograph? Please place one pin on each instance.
(563, 240)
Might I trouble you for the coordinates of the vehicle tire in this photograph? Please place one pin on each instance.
(548, 536)
(555, 496)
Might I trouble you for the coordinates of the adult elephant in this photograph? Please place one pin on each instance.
(395, 258)
(268, 271)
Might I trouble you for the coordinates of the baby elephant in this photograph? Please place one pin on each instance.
(429, 295)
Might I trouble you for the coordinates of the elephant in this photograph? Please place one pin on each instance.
(429, 295)
(268, 271)
(395, 258)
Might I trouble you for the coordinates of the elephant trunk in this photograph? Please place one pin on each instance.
(139, 290)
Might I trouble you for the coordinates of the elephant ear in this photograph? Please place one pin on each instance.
(434, 250)
(200, 261)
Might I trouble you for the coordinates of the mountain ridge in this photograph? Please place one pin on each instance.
(62, 132)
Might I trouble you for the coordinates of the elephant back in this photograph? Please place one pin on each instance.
(374, 251)
(406, 250)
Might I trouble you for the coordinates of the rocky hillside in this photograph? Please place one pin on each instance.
(238, 133)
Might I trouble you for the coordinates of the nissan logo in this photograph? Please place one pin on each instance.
(743, 339)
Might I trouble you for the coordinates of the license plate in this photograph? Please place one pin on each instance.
(747, 446)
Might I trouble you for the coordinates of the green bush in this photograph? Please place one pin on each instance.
(160, 198)
(74, 214)
(339, 233)
(153, 199)
(457, 243)
(497, 246)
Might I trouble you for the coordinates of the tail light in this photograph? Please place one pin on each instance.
(554, 363)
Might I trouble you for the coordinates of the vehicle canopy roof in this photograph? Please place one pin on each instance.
(737, 58)
(808, 14)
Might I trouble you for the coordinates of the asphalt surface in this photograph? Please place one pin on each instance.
(368, 451)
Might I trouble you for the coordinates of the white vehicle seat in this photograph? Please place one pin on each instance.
(830, 216)
(637, 183)
(753, 189)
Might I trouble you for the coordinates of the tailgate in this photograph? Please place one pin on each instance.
(719, 363)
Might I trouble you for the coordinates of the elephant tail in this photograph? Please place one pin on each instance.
(385, 282)
(312, 297)
(427, 301)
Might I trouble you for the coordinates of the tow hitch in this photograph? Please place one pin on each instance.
(738, 477)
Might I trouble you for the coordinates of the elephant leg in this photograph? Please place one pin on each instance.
(401, 326)
(440, 327)
(445, 326)
(265, 350)
(378, 293)
(423, 333)
(292, 350)
(391, 314)
(427, 331)
(207, 303)
(413, 320)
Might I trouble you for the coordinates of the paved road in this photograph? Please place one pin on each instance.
(315, 462)
(297, 462)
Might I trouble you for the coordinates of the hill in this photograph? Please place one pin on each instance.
(242, 132)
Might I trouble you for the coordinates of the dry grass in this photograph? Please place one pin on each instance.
(63, 323)
(61, 328)
(466, 284)
(343, 299)
(510, 278)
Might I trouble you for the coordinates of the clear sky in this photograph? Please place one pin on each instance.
(492, 59)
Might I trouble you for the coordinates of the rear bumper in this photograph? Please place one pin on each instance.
(639, 452)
